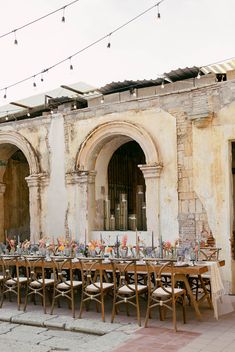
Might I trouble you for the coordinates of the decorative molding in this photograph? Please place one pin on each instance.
(36, 180)
(151, 170)
(202, 120)
(86, 176)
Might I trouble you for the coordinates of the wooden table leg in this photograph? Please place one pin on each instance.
(206, 294)
(183, 278)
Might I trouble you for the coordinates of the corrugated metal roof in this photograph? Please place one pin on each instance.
(87, 90)
(219, 67)
(172, 76)
(39, 99)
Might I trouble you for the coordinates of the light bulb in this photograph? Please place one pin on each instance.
(198, 75)
(162, 85)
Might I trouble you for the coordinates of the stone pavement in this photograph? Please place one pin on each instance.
(38, 332)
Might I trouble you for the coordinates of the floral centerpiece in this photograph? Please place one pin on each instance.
(11, 245)
(95, 247)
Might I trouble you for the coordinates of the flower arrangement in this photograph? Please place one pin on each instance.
(26, 245)
(124, 241)
(11, 245)
(95, 247)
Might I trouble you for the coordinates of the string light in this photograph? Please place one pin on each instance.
(70, 66)
(28, 114)
(15, 41)
(109, 42)
(81, 50)
(102, 99)
(34, 83)
(5, 94)
(162, 85)
(198, 75)
(39, 19)
(133, 92)
(158, 12)
(63, 17)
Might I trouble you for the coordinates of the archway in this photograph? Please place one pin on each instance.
(19, 200)
(93, 159)
(16, 197)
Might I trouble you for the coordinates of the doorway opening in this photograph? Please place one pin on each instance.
(16, 197)
(126, 189)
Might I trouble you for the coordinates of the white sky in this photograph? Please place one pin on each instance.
(190, 32)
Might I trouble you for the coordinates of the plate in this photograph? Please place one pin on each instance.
(179, 265)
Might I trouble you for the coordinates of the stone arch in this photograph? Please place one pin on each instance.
(23, 144)
(15, 141)
(104, 133)
(94, 155)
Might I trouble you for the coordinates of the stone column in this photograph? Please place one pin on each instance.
(2, 220)
(33, 182)
(152, 182)
(87, 205)
(73, 216)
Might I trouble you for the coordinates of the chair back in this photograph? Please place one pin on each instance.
(121, 270)
(209, 253)
(156, 270)
(92, 272)
(63, 271)
(9, 267)
(35, 269)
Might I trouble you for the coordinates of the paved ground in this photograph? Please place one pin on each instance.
(38, 332)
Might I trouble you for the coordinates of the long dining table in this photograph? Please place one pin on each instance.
(182, 274)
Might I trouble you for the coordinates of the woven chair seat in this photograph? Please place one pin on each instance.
(160, 292)
(93, 288)
(38, 283)
(14, 282)
(67, 284)
(129, 290)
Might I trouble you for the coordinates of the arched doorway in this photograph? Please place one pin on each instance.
(126, 188)
(93, 160)
(16, 197)
(19, 188)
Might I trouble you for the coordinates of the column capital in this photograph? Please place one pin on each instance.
(151, 170)
(86, 176)
(2, 187)
(35, 180)
(72, 178)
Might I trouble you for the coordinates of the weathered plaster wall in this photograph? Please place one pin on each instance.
(191, 128)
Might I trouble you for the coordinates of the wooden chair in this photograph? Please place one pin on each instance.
(37, 283)
(161, 296)
(64, 283)
(125, 292)
(12, 280)
(94, 286)
(203, 281)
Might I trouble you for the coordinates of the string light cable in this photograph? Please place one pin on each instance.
(69, 58)
(13, 32)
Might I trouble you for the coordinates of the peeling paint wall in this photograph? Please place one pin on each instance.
(191, 129)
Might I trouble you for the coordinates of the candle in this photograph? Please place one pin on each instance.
(85, 238)
(161, 249)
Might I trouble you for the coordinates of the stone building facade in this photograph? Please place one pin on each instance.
(186, 132)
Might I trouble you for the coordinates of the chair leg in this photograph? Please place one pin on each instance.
(174, 315)
(102, 308)
(114, 309)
